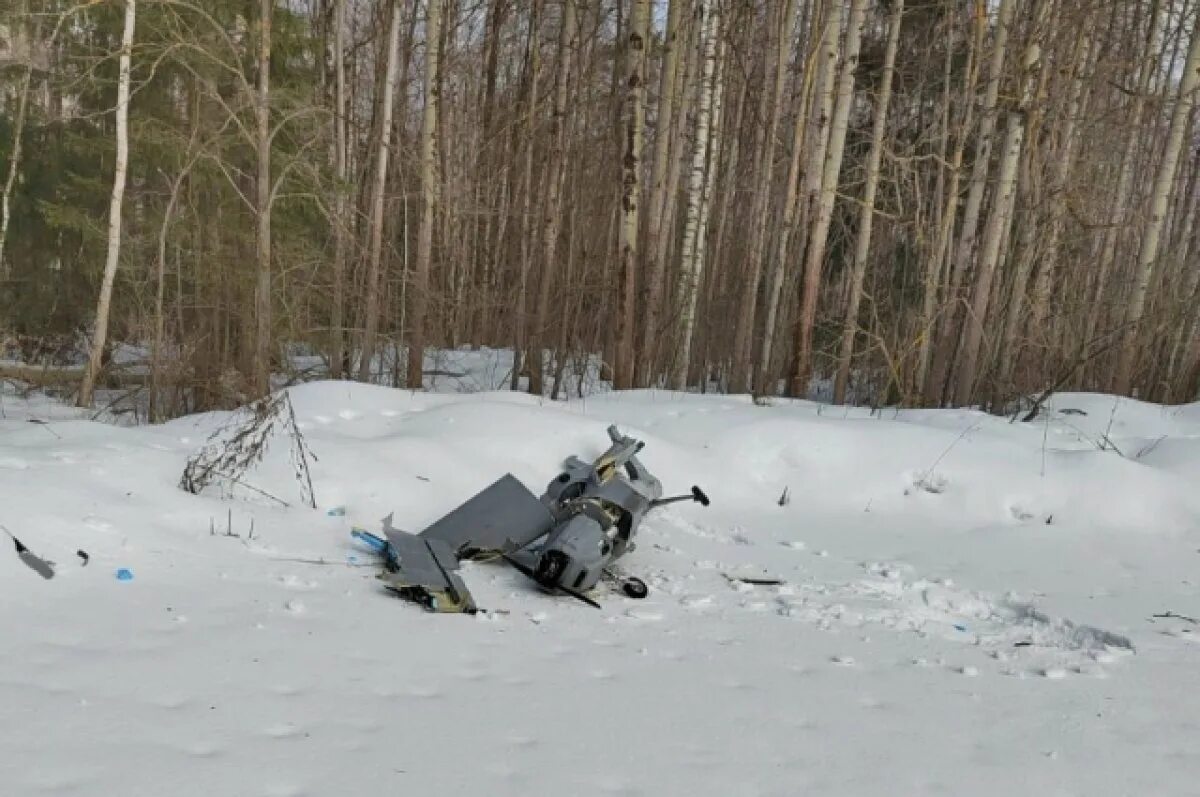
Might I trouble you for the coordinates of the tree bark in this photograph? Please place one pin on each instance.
(99, 338)
(555, 178)
(262, 291)
(998, 224)
(862, 245)
(430, 191)
(14, 158)
(374, 289)
(655, 271)
(824, 211)
(745, 370)
(963, 253)
(699, 178)
(341, 219)
(631, 165)
(521, 338)
(1159, 198)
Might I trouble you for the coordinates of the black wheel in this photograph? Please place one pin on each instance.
(635, 588)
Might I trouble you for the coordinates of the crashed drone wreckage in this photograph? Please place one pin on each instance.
(566, 541)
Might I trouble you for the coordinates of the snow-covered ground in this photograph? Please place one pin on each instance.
(968, 606)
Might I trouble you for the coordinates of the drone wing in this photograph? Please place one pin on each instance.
(502, 518)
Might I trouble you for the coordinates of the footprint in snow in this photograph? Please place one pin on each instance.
(349, 415)
(13, 463)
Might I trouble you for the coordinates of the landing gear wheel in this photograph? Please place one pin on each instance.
(635, 588)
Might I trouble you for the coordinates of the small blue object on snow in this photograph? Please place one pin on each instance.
(376, 544)
(337, 511)
(124, 574)
(960, 627)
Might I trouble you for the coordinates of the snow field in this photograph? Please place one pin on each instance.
(967, 606)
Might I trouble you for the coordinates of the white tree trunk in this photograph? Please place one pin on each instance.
(341, 219)
(631, 167)
(963, 253)
(659, 187)
(1118, 214)
(430, 194)
(824, 211)
(1159, 198)
(996, 230)
(112, 256)
(862, 245)
(941, 246)
(694, 234)
(262, 291)
(745, 369)
(14, 158)
(375, 247)
(556, 174)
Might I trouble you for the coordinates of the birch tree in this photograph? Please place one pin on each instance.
(699, 178)
(998, 224)
(430, 191)
(375, 246)
(965, 249)
(664, 152)
(631, 165)
(261, 370)
(18, 133)
(1159, 198)
(862, 245)
(341, 222)
(555, 177)
(100, 335)
(824, 211)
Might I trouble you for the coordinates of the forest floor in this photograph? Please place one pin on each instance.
(969, 606)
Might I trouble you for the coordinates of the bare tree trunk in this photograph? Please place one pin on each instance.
(341, 219)
(1064, 163)
(779, 43)
(1159, 198)
(817, 139)
(631, 165)
(700, 176)
(862, 246)
(998, 224)
(555, 178)
(14, 158)
(824, 211)
(948, 334)
(88, 384)
(430, 191)
(262, 293)
(1118, 215)
(375, 249)
(941, 247)
(521, 338)
(655, 270)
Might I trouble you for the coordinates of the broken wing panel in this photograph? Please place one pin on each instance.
(503, 517)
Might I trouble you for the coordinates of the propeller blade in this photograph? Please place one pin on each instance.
(578, 596)
(556, 587)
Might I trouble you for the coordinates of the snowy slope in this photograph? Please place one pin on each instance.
(967, 608)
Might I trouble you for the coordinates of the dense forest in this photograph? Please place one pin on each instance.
(927, 203)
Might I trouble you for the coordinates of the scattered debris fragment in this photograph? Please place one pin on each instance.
(42, 567)
(1174, 616)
